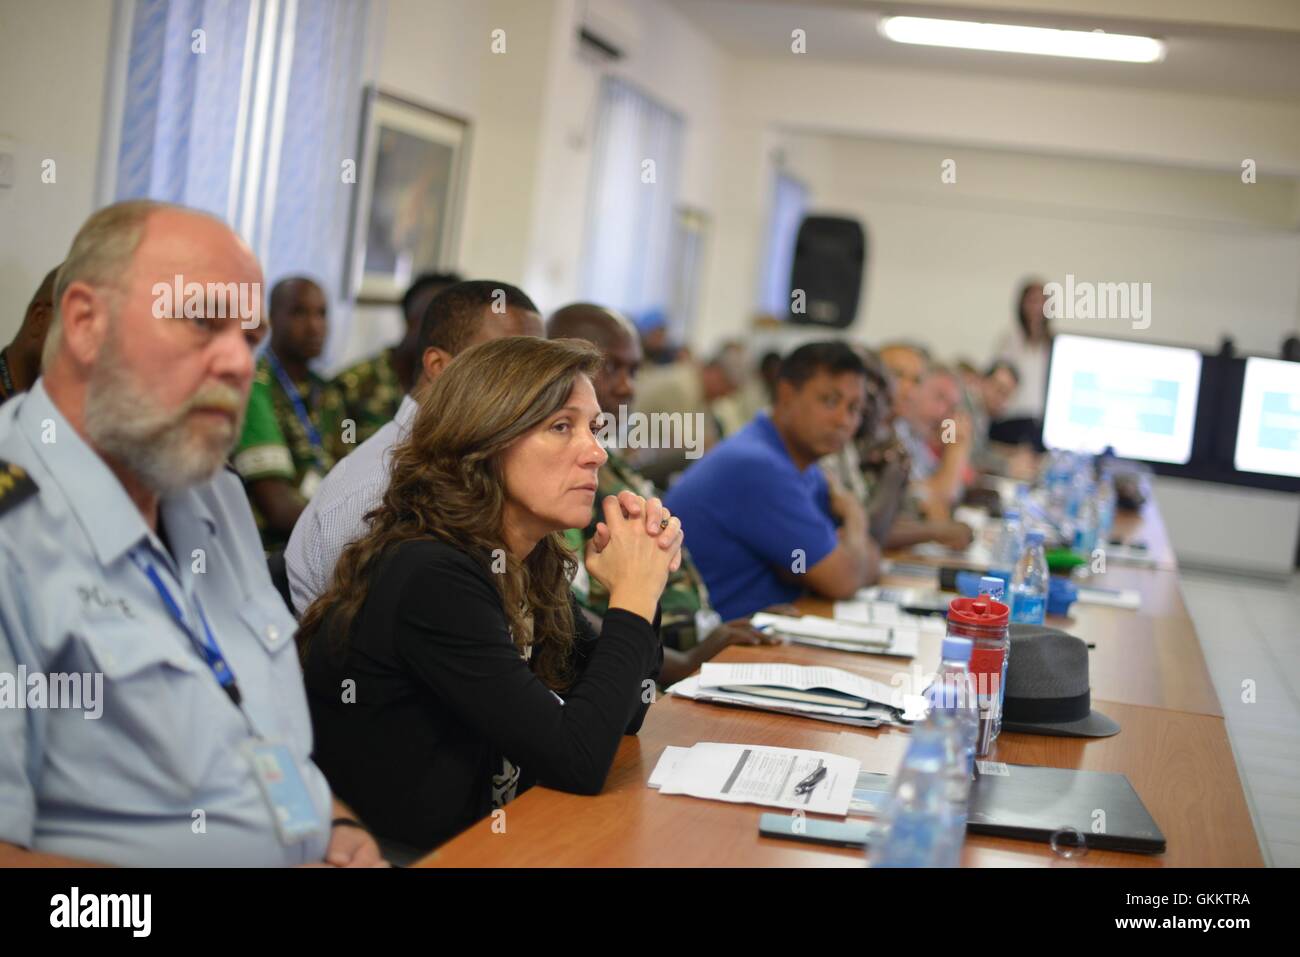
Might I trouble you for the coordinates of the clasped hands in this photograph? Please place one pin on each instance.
(634, 550)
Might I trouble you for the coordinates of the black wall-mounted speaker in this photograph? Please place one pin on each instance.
(830, 255)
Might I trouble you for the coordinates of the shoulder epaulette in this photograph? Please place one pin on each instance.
(16, 486)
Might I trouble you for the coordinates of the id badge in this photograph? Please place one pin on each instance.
(283, 789)
(310, 482)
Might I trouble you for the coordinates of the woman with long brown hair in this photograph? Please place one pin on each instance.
(1027, 349)
(447, 665)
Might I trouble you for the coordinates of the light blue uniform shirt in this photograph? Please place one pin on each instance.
(125, 788)
(336, 515)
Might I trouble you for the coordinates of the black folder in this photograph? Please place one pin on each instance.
(1033, 803)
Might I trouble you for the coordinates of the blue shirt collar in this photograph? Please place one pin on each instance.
(765, 429)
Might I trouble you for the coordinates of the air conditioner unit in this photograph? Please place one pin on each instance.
(608, 32)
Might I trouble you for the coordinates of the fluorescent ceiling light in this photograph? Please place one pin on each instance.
(1005, 38)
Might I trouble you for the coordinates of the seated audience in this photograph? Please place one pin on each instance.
(20, 361)
(293, 428)
(762, 515)
(129, 553)
(693, 632)
(455, 319)
(732, 412)
(657, 347)
(448, 665)
(907, 364)
(685, 388)
(874, 466)
(937, 433)
(373, 389)
(986, 402)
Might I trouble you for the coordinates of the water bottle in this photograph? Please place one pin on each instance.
(1105, 506)
(921, 825)
(1058, 488)
(952, 700)
(1007, 546)
(1080, 490)
(1086, 523)
(995, 588)
(1029, 583)
(984, 621)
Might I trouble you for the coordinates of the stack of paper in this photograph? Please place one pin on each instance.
(746, 774)
(851, 634)
(826, 694)
(877, 611)
(1129, 598)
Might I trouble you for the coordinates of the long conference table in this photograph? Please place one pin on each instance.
(1147, 673)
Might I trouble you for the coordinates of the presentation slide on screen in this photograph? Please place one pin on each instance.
(1140, 399)
(1268, 432)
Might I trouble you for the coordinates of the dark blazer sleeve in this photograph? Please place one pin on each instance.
(451, 631)
(586, 644)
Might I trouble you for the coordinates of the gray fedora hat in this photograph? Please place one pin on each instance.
(1047, 686)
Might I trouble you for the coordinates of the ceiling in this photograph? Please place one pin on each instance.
(1240, 48)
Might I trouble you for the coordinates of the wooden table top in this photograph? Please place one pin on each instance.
(1147, 673)
(1180, 764)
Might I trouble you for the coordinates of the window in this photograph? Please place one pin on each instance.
(789, 204)
(250, 111)
(631, 207)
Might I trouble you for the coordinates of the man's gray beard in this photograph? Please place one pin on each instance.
(158, 446)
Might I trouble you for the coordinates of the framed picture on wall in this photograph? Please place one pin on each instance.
(406, 216)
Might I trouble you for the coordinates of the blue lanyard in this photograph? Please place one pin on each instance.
(299, 409)
(205, 645)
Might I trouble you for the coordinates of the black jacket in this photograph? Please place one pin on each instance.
(440, 692)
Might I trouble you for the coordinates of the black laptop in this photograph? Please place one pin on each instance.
(1033, 803)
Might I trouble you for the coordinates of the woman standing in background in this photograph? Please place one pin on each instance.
(1028, 349)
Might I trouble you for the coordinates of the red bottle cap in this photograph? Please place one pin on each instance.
(982, 611)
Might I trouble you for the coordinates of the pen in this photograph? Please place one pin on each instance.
(811, 781)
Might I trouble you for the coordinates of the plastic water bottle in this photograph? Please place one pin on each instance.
(1029, 583)
(922, 826)
(1086, 523)
(984, 621)
(952, 699)
(1007, 546)
(995, 588)
(1105, 507)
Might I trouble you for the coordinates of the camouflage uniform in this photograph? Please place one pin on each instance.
(371, 392)
(274, 443)
(687, 615)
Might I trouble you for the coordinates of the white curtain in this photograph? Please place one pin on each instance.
(635, 177)
(248, 109)
(789, 203)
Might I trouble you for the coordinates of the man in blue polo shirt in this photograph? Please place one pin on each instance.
(760, 513)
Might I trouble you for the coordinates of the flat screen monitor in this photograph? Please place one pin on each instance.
(1139, 399)
(1268, 427)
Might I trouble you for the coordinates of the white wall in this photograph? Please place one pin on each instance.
(1208, 250)
(51, 108)
(422, 55)
(669, 60)
(767, 98)
(946, 258)
(532, 111)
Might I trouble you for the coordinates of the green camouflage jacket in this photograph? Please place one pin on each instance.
(686, 611)
(371, 393)
(274, 443)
